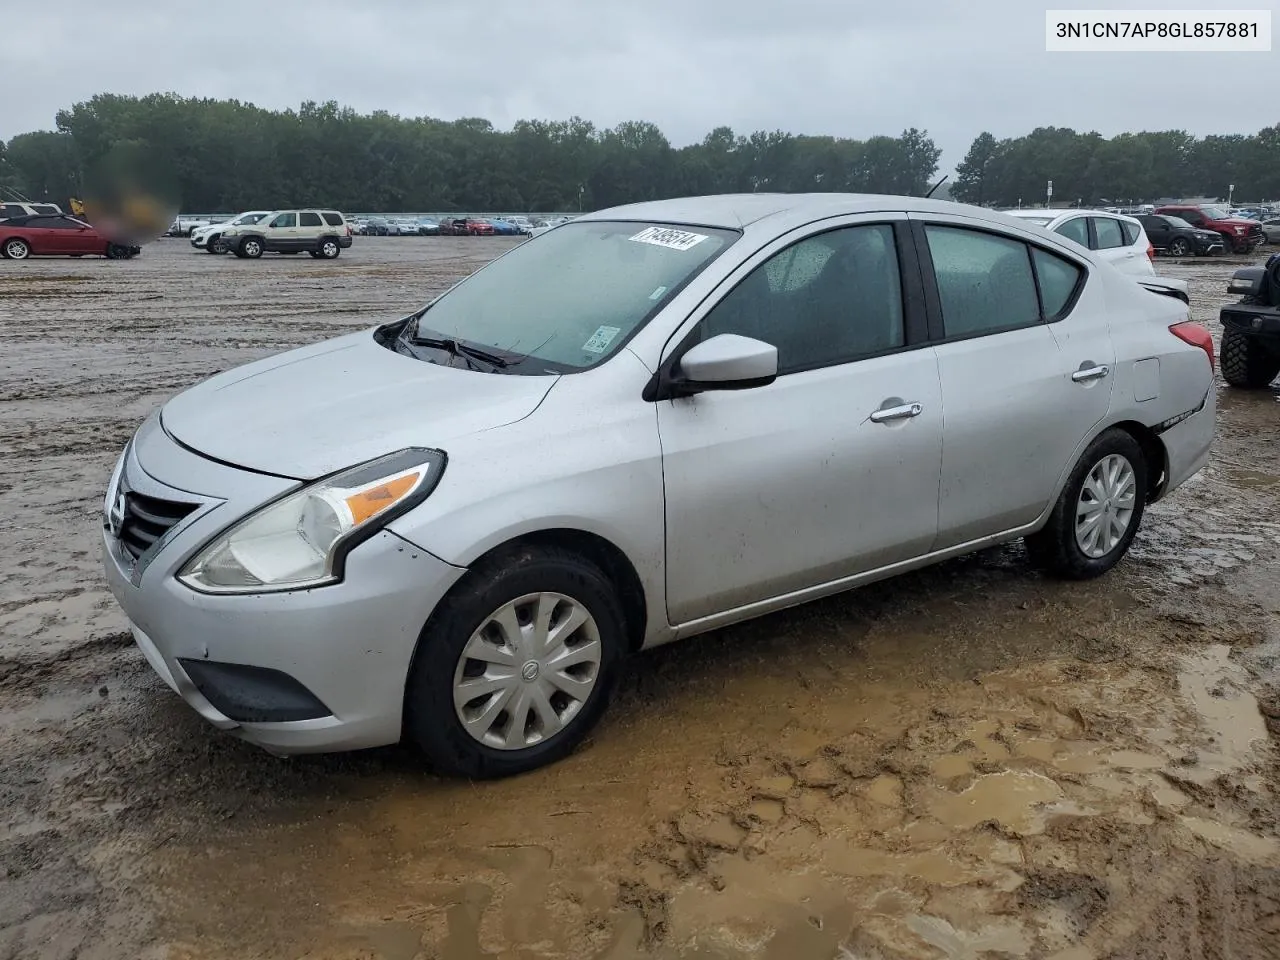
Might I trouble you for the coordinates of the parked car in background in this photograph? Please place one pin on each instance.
(523, 224)
(58, 236)
(1239, 235)
(1271, 230)
(376, 227)
(1175, 236)
(1250, 351)
(209, 238)
(329, 549)
(183, 226)
(504, 228)
(402, 227)
(20, 208)
(428, 227)
(322, 233)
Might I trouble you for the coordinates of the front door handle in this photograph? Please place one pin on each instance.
(902, 412)
(1087, 373)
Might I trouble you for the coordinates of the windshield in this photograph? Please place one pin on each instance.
(1215, 213)
(1042, 221)
(248, 218)
(1178, 223)
(575, 295)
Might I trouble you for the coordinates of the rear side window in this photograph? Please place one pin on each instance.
(308, 219)
(1130, 232)
(332, 219)
(985, 282)
(1076, 229)
(1058, 280)
(1108, 231)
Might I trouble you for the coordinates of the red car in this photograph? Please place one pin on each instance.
(42, 236)
(1239, 235)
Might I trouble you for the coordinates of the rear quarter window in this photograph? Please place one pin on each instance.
(1058, 281)
(332, 219)
(45, 208)
(1130, 232)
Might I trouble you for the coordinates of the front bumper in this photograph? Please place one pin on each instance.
(1205, 245)
(199, 241)
(343, 650)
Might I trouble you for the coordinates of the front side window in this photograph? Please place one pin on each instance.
(285, 220)
(307, 219)
(828, 299)
(1108, 232)
(574, 296)
(984, 281)
(1077, 229)
(12, 210)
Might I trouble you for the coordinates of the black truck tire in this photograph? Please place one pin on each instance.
(1246, 362)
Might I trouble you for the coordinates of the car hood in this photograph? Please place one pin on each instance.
(309, 412)
(1238, 222)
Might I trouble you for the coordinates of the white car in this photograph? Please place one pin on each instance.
(206, 238)
(657, 420)
(1115, 238)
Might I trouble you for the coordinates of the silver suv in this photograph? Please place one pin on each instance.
(321, 233)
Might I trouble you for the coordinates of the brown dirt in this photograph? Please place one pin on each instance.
(966, 762)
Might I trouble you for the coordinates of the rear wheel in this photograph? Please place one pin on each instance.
(1098, 511)
(16, 249)
(516, 665)
(1245, 361)
(250, 247)
(329, 248)
(1179, 247)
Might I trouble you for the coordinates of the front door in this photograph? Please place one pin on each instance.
(830, 470)
(282, 232)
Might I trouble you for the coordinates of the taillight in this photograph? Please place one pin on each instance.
(1197, 335)
(1151, 252)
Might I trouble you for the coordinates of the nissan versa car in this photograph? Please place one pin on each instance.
(645, 424)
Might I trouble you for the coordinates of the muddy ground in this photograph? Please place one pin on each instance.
(966, 762)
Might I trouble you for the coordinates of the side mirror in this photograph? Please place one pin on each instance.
(725, 362)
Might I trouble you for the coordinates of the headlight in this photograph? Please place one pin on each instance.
(1241, 229)
(302, 539)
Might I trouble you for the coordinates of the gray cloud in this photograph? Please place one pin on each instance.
(807, 66)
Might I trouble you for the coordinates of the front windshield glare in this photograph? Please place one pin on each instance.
(1214, 213)
(574, 295)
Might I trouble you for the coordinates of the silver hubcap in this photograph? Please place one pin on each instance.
(329, 249)
(17, 250)
(251, 248)
(1105, 508)
(527, 671)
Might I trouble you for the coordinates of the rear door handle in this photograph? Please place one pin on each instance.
(1085, 374)
(902, 412)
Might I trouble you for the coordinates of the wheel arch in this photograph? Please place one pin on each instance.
(1153, 450)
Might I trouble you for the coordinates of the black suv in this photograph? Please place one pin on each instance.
(1250, 353)
(1176, 237)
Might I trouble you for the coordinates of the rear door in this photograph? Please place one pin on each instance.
(310, 226)
(1113, 246)
(1158, 230)
(49, 236)
(1025, 361)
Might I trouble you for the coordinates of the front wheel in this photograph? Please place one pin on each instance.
(1098, 511)
(1245, 361)
(516, 665)
(251, 247)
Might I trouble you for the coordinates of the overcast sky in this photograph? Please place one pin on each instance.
(850, 68)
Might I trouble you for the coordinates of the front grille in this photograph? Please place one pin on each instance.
(147, 519)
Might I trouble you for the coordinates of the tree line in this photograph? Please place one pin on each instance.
(1089, 168)
(224, 155)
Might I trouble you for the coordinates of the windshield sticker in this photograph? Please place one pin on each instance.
(666, 237)
(599, 341)
(657, 294)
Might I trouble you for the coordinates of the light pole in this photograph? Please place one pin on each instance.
(1231, 189)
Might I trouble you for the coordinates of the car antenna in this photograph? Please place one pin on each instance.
(937, 185)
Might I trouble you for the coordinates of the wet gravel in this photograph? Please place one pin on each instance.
(969, 761)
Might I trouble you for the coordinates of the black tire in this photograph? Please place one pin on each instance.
(329, 248)
(431, 720)
(1054, 548)
(215, 245)
(315, 254)
(1228, 246)
(17, 249)
(1245, 362)
(1179, 247)
(250, 248)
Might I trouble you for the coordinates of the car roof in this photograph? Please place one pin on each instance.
(732, 211)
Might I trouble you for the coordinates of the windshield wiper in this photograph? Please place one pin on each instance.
(456, 349)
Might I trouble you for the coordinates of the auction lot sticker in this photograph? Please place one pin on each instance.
(666, 237)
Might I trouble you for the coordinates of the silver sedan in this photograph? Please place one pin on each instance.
(645, 424)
